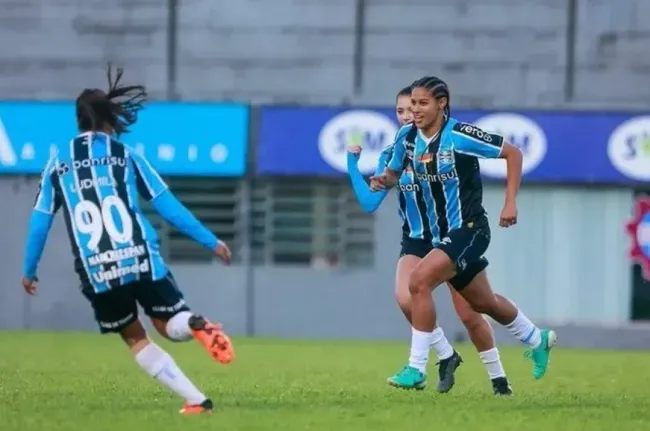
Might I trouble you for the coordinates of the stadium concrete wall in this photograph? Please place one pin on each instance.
(526, 53)
(565, 264)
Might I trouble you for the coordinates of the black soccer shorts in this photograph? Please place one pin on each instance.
(117, 308)
(420, 248)
(466, 244)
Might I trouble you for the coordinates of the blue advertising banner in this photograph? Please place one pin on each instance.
(202, 139)
(569, 147)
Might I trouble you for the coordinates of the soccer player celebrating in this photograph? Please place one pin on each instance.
(97, 181)
(442, 154)
(416, 243)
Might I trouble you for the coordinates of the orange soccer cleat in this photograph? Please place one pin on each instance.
(212, 337)
(196, 409)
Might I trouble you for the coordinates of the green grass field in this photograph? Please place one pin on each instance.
(57, 381)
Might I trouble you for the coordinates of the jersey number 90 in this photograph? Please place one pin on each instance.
(93, 220)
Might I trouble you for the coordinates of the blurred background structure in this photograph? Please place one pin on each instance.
(284, 85)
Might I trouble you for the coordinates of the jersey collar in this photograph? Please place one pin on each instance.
(428, 140)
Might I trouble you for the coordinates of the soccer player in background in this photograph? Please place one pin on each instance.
(97, 181)
(416, 245)
(442, 154)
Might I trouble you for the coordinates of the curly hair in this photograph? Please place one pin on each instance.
(118, 108)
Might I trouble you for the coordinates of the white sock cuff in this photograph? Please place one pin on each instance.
(423, 335)
(491, 355)
(153, 359)
(420, 344)
(516, 321)
(178, 327)
(437, 335)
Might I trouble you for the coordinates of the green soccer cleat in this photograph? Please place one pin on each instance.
(541, 355)
(409, 378)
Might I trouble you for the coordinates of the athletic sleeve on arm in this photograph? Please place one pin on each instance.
(39, 228)
(175, 213)
(46, 205)
(368, 199)
(150, 184)
(154, 189)
(397, 160)
(383, 159)
(47, 200)
(471, 140)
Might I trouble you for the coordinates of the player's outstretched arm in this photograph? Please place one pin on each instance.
(368, 199)
(176, 214)
(46, 205)
(39, 228)
(154, 189)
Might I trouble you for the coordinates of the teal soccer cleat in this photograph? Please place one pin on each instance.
(541, 355)
(409, 378)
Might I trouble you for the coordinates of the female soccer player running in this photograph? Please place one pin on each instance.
(98, 180)
(443, 154)
(415, 245)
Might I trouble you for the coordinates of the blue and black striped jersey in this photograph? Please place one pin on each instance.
(440, 182)
(97, 181)
(409, 192)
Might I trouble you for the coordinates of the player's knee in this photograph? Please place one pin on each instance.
(471, 319)
(419, 284)
(463, 309)
(160, 326)
(177, 328)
